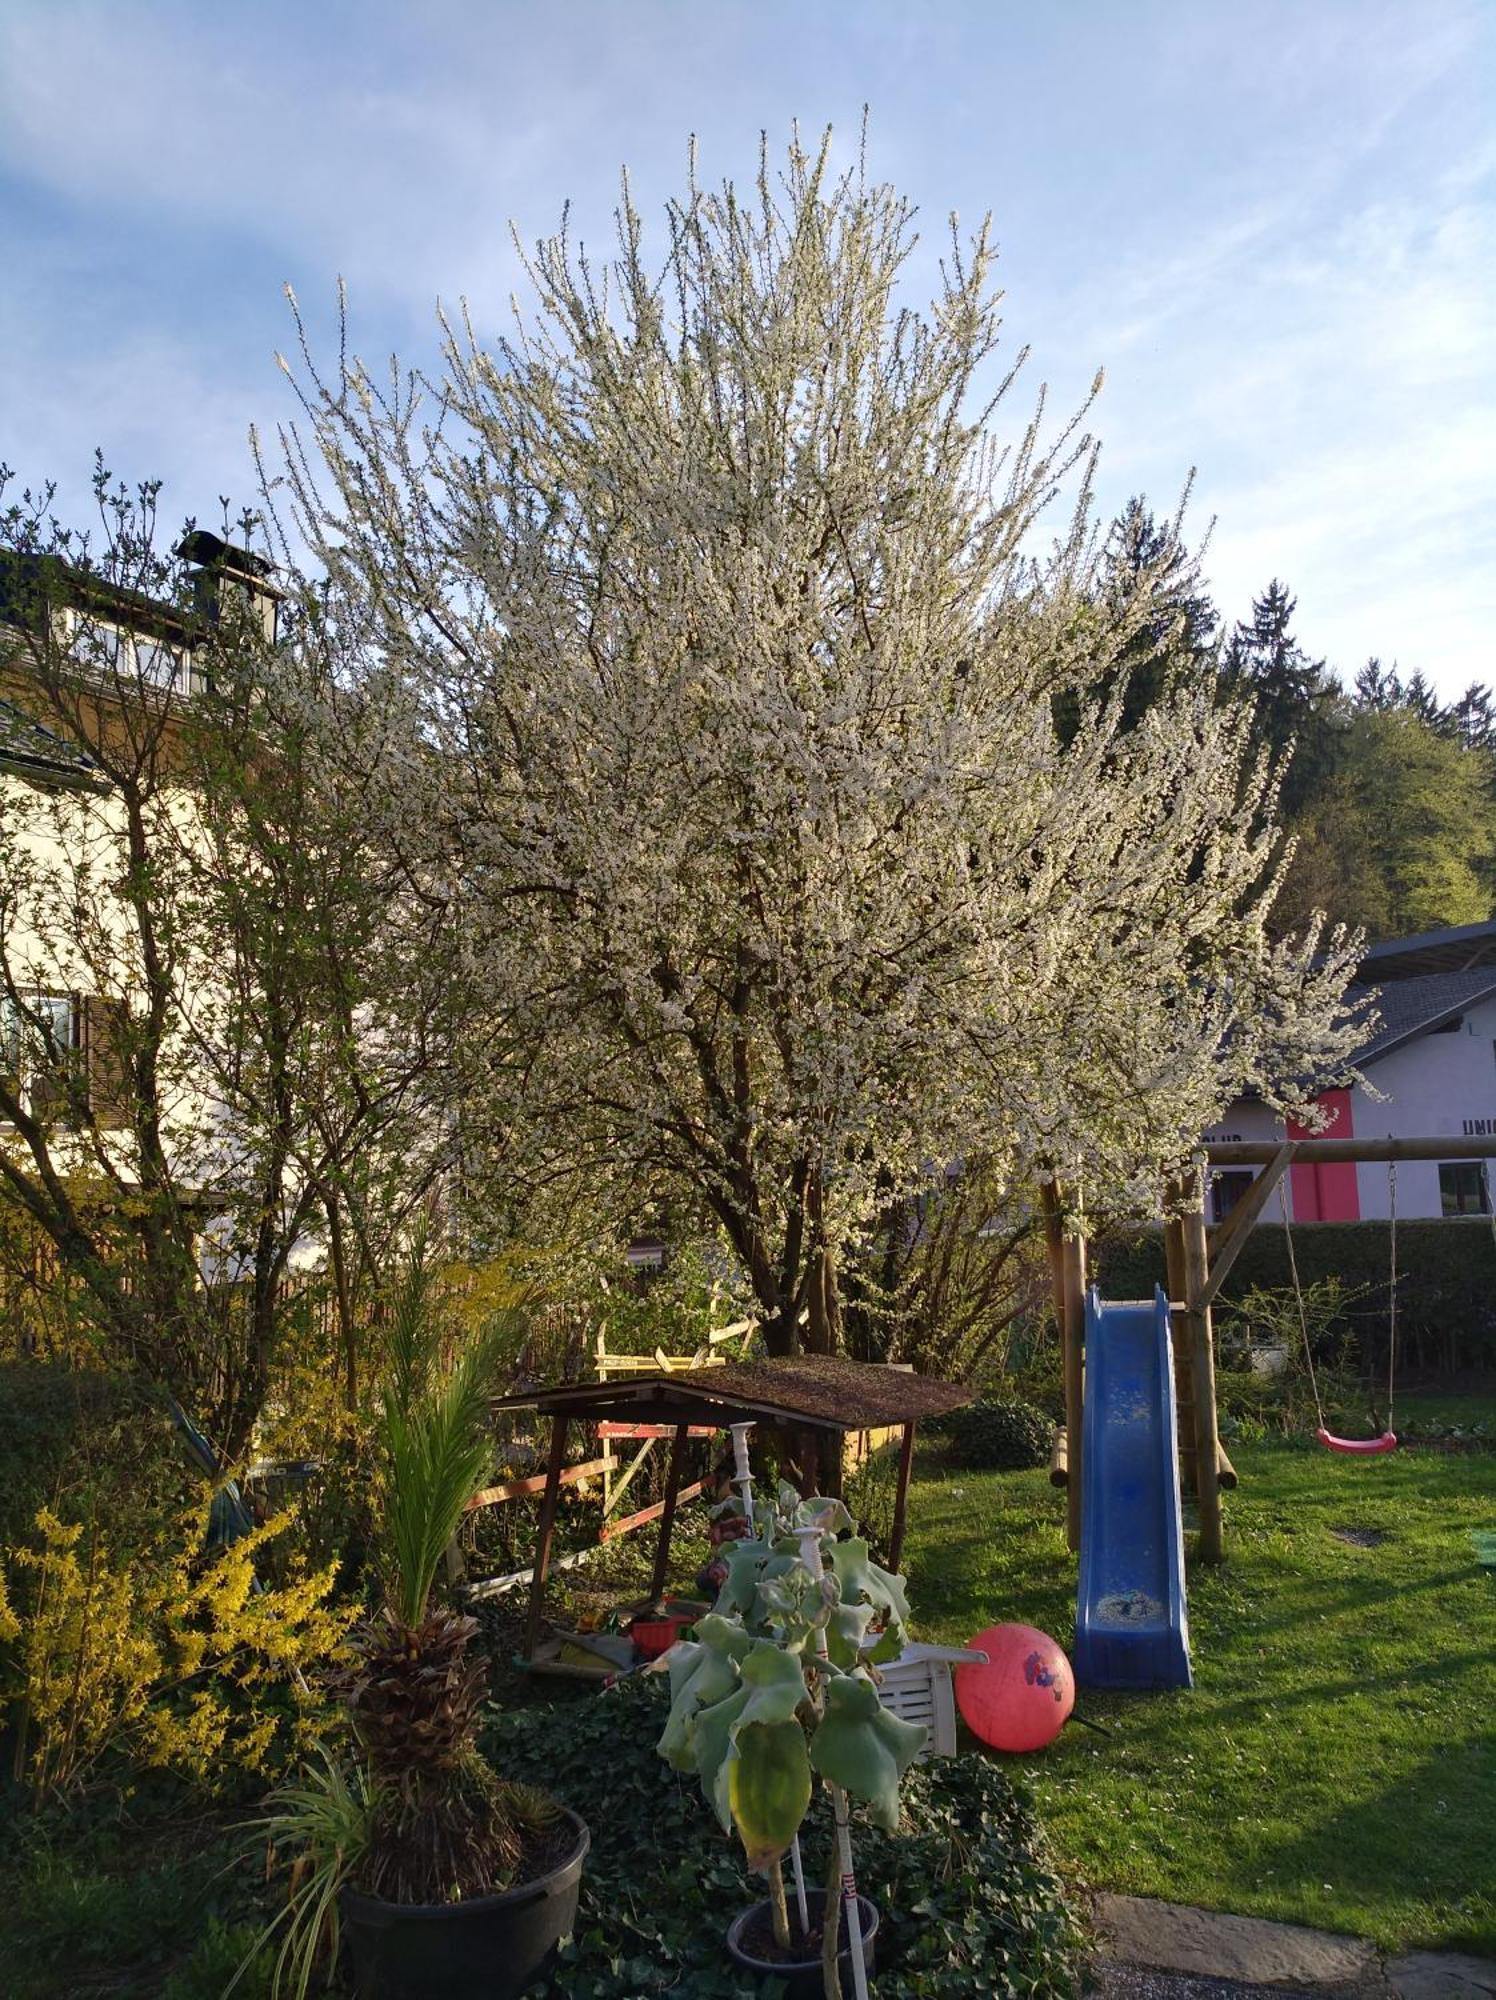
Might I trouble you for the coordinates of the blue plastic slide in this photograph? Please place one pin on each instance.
(1131, 1630)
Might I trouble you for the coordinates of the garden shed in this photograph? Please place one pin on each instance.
(819, 1398)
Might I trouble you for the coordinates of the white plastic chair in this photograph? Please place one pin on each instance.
(917, 1687)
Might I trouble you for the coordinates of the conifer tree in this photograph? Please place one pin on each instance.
(1176, 636)
(1295, 698)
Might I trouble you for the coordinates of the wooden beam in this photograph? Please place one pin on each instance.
(516, 1489)
(611, 1530)
(901, 1496)
(635, 1464)
(547, 1529)
(667, 1513)
(1261, 1152)
(1202, 1374)
(610, 1430)
(1225, 1243)
(1059, 1459)
(1184, 1381)
(495, 1586)
(1075, 1382)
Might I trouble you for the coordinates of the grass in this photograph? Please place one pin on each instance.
(126, 1903)
(1334, 1763)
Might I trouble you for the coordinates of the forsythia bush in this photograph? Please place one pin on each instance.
(170, 1655)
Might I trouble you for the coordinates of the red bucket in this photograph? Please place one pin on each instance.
(653, 1636)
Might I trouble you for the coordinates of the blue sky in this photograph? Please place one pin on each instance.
(1273, 224)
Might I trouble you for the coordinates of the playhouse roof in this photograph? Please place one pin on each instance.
(823, 1391)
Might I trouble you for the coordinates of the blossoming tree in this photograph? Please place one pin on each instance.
(730, 689)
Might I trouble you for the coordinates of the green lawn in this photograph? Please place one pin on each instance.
(1334, 1762)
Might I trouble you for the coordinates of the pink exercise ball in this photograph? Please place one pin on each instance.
(1020, 1700)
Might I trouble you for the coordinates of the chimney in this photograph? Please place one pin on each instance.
(230, 582)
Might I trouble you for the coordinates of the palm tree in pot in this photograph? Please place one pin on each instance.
(450, 1878)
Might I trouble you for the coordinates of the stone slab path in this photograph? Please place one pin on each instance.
(1167, 1951)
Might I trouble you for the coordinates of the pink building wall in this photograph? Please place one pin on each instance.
(1327, 1191)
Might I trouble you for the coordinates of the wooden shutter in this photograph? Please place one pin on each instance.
(104, 1035)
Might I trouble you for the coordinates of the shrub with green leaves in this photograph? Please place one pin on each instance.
(86, 1441)
(999, 1434)
(779, 1687)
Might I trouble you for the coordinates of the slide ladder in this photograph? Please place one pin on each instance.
(1131, 1627)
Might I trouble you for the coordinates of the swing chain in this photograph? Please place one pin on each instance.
(1392, 1302)
(1298, 1293)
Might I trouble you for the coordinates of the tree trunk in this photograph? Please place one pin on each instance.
(781, 1332)
(823, 1331)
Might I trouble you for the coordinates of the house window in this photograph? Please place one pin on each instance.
(39, 1034)
(1462, 1188)
(103, 647)
(1226, 1190)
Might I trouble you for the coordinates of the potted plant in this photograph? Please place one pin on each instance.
(779, 1686)
(447, 1878)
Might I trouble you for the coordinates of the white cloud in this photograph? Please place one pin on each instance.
(1274, 224)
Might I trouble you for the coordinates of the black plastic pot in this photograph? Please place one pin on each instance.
(804, 1981)
(488, 1948)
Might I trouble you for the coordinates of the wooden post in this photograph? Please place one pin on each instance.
(1075, 1323)
(548, 1505)
(1059, 1459)
(1054, 1243)
(1202, 1370)
(1184, 1387)
(810, 1460)
(901, 1496)
(667, 1518)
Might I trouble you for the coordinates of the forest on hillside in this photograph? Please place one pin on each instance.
(1390, 793)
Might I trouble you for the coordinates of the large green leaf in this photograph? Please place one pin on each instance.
(702, 1671)
(748, 1563)
(846, 1633)
(771, 1688)
(863, 1748)
(768, 1788)
(820, 1511)
(862, 1581)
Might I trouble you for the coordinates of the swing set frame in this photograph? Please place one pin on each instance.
(1198, 1260)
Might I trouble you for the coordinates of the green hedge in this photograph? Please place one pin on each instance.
(1446, 1311)
(82, 1441)
(998, 1434)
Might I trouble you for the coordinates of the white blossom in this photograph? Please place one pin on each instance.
(733, 716)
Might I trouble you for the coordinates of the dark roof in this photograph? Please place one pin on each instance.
(1456, 950)
(30, 584)
(36, 753)
(1414, 1006)
(824, 1391)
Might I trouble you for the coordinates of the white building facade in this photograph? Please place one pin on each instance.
(1430, 1070)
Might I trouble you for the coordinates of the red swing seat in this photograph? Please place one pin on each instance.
(1358, 1447)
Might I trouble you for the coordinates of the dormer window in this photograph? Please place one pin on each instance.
(103, 646)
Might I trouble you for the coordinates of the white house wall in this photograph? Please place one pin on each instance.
(1434, 1086)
